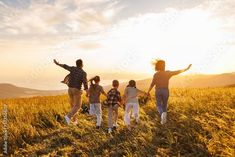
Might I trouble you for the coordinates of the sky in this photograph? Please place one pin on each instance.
(117, 39)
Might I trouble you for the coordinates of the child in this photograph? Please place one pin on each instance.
(131, 102)
(94, 93)
(161, 81)
(113, 100)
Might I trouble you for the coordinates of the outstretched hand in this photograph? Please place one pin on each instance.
(56, 62)
(189, 67)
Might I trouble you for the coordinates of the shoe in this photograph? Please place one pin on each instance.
(67, 119)
(75, 122)
(137, 122)
(110, 130)
(97, 127)
(163, 118)
(129, 127)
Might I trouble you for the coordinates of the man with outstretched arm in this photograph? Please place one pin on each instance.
(77, 78)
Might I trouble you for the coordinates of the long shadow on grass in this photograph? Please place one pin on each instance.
(180, 137)
(122, 143)
(55, 140)
(127, 143)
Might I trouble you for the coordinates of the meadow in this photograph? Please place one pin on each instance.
(200, 123)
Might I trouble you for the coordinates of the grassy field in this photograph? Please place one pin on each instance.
(200, 123)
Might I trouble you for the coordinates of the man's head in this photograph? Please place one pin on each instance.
(79, 63)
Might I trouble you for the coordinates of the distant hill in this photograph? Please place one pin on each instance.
(181, 81)
(12, 91)
(192, 81)
(232, 85)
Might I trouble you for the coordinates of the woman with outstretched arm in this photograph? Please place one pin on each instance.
(161, 82)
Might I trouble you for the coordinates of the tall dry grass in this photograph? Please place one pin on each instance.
(200, 123)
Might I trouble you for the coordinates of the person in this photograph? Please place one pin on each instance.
(76, 79)
(94, 92)
(161, 82)
(130, 98)
(114, 101)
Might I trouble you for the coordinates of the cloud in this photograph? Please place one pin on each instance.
(58, 18)
(89, 45)
(223, 11)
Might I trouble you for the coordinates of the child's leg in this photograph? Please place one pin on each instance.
(98, 114)
(136, 111)
(110, 116)
(92, 109)
(127, 114)
(115, 108)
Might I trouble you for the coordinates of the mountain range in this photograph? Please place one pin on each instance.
(11, 91)
(181, 81)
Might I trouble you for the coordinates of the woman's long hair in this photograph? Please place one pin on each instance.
(159, 64)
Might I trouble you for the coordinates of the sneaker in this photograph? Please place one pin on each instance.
(163, 118)
(115, 125)
(110, 130)
(67, 119)
(137, 121)
(97, 127)
(129, 127)
(75, 122)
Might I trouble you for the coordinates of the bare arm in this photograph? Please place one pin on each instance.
(103, 92)
(180, 71)
(152, 84)
(124, 97)
(119, 98)
(141, 92)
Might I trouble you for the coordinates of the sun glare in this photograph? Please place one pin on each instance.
(108, 13)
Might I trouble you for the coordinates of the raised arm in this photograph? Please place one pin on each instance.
(180, 71)
(57, 63)
(62, 65)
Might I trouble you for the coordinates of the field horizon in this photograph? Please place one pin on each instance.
(9, 90)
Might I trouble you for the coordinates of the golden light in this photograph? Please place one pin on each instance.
(108, 13)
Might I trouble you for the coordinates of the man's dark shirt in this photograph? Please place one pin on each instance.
(77, 77)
